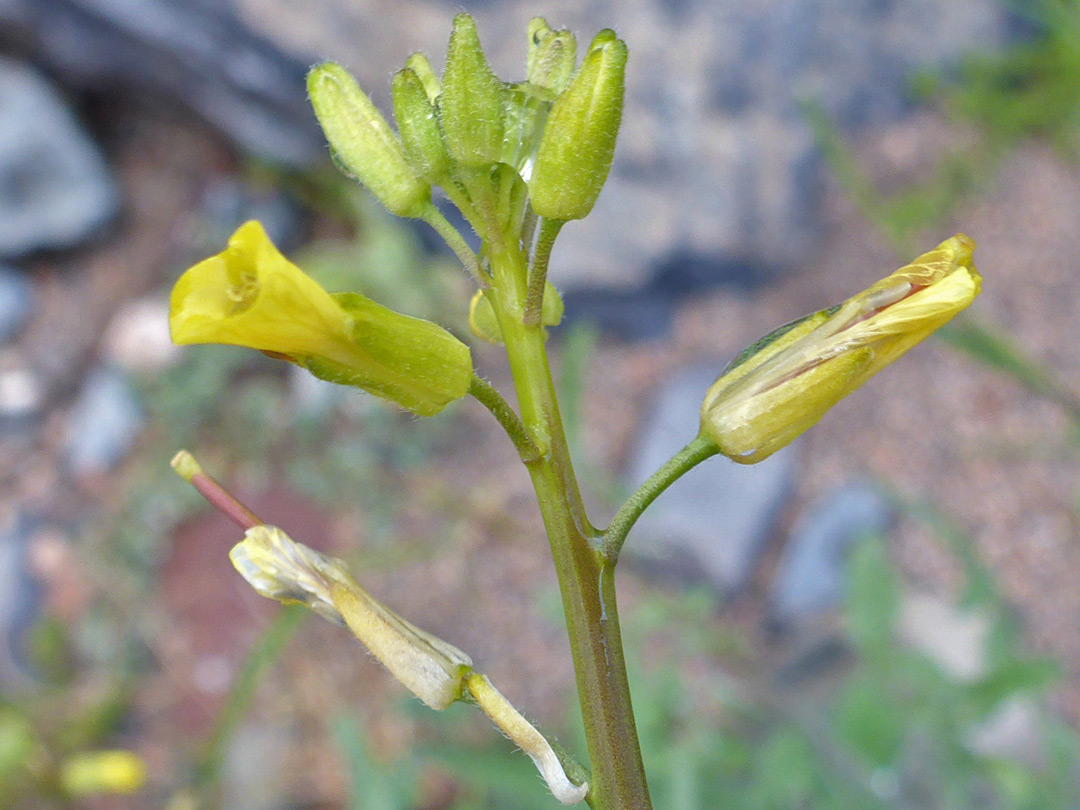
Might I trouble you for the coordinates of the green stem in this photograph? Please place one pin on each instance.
(491, 399)
(534, 299)
(585, 580)
(678, 465)
(434, 217)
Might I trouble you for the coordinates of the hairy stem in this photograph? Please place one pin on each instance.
(534, 298)
(455, 241)
(678, 465)
(491, 399)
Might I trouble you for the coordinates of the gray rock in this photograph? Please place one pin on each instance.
(19, 594)
(16, 301)
(813, 569)
(228, 202)
(195, 51)
(713, 523)
(55, 189)
(105, 421)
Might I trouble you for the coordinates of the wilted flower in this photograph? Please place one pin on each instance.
(783, 384)
(250, 295)
(282, 569)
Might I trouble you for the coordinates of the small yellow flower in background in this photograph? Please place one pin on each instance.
(250, 295)
(783, 384)
(103, 772)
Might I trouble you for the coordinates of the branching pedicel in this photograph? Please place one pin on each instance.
(518, 161)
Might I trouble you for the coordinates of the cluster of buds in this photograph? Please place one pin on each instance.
(556, 129)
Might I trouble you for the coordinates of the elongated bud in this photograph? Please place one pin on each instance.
(784, 383)
(418, 63)
(526, 737)
(471, 106)
(552, 55)
(250, 295)
(485, 326)
(280, 568)
(419, 127)
(363, 142)
(578, 143)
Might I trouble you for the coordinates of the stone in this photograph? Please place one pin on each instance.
(137, 338)
(954, 639)
(105, 420)
(21, 391)
(55, 188)
(20, 597)
(713, 523)
(193, 51)
(228, 202)
(16, 301)
(812, 573)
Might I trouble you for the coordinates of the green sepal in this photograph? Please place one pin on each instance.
(410, 361)
(418, 126)
(485, 325)
(578, 144)
(472, 102)
(511, 195)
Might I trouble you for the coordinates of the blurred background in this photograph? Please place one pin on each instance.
(883, 615)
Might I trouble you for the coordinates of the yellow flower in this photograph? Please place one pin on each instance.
(783, 384)
(250, 295)
(103, 772)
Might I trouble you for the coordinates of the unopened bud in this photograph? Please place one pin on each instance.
(784, 383)
(552, 55)
(280, 568)
(362, 142)
(485, 326)
(419, 127)
(418, 63)
(578, 144)
(471, 106)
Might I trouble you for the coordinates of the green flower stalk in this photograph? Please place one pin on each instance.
(784, 383)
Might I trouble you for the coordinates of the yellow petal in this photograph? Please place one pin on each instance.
(250, 295)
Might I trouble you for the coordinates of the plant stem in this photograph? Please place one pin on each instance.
(456, 242)
(585, 580)
(678, 465)
(491, 399)
(534, 299)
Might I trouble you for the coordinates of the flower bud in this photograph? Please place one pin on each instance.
(783, 384)
(578, 143)
(552, 55)
(250, 295)
(485, 326)
(362, 141)
(472, 100)
(418, 63)
(279, 568)
(419, 127)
